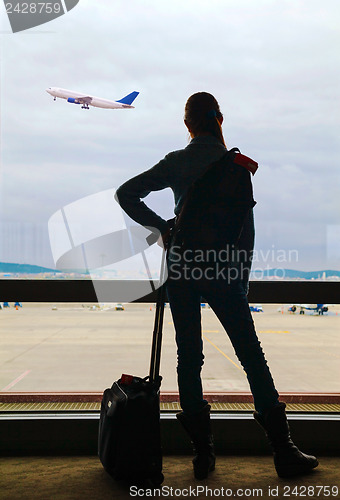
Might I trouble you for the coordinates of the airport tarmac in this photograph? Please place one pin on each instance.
(78, 347)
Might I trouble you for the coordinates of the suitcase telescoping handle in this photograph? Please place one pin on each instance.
(158, 326)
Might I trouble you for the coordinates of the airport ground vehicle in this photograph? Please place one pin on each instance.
(256, 308)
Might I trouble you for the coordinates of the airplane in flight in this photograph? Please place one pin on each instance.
(87, 100)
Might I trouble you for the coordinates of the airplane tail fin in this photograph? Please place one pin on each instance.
(128, 99)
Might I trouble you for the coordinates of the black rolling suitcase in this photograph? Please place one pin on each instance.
(129, 441)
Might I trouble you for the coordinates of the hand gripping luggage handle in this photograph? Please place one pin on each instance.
(158, 325)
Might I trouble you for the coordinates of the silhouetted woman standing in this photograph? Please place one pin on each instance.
(228, 298)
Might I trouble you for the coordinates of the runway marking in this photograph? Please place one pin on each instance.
(15, 381)
(223, 354)
(273, 331)
(211, 331)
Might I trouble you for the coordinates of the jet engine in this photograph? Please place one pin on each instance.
(73, 100)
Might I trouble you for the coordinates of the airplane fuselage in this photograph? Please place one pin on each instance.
(86, 99)
(317, 308)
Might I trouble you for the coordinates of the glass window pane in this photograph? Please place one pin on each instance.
(273, 68)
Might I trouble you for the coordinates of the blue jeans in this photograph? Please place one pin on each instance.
(229, 302)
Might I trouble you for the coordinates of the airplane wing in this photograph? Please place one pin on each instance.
(84, 100)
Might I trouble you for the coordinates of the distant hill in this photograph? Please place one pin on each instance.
(292, 273)
(7, 267)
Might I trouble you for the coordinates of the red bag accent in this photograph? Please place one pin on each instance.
(246, 162)
(126, 379)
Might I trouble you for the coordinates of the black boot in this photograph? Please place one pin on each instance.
(199, 429)
(288, 459)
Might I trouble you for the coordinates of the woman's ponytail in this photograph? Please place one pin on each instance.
(203, 115)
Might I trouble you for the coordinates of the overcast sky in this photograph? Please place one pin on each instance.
(273, 65)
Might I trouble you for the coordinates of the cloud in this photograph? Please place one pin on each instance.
(272, 66)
